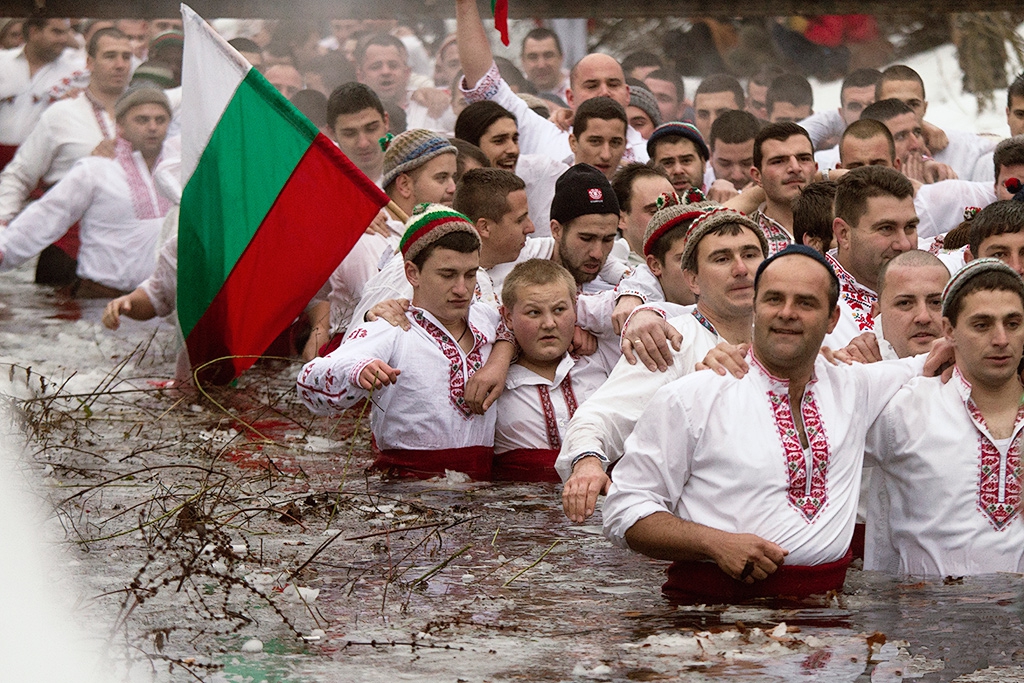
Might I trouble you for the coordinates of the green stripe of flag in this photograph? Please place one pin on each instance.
(246, 163)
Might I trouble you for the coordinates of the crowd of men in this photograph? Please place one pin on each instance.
(773, 336)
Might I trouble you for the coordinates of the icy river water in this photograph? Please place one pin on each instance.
(233, 537)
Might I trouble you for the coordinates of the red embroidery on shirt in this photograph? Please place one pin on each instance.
(809, 500)
(778, 238)
(859, 299)
(999, 509)
(357, 333)
(548, 408)
(456, 379)
(142, 198)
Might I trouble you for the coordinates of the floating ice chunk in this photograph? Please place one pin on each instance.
(293, 593)
(453, 477)
(599, 671)
(253, 645)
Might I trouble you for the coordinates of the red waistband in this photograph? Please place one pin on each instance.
(473, 460)
(526, 464)
(704, 582)
(7, 153)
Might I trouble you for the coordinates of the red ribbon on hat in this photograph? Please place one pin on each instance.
(499, 8)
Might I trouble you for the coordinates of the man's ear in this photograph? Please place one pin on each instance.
(412, 274)
(403, 184)
(690, 278)
(841, 231)
(556, 230)
(573, 144)
(654, 264)
(947, 328)
(875, 309)
(483, 227)
(506, 315)
(833, 319)
(968, 256)
(755, 175)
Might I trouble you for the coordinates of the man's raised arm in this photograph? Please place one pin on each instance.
(474, 48)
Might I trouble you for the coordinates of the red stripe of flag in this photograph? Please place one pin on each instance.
(317, 218)
(500, 10)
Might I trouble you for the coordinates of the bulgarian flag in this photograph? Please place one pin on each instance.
(270, 206)
(499, 8)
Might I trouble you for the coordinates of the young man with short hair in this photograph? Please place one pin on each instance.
(357, 121)
(998, 232)
(790, 98)
(963, 149)
(638, 187)
(732, 148)
(420, 421)
(545, 384)
(875, 220)
(783, 166)
(949, 454)
(669, 91)
(598, 136)
(494, 129)
(716, 94)
(542, 59)
(721, 249)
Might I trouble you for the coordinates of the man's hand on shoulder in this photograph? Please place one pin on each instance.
(726, 358)
(392, 310)
(646, 338)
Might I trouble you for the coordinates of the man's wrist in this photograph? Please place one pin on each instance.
(591, 454)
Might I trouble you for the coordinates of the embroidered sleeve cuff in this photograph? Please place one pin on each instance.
(591, 454)
(505, 334)
(353, 375)
(629, 291)
(646, 307)
(484, 89)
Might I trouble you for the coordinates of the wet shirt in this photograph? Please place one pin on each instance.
(725, 453)
(426, 407)
(951, 498)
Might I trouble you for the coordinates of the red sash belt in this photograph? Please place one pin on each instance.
(7, 153)
(526, 464)
(704, 582)
(474, 461)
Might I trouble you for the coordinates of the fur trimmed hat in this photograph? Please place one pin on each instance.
(429, 223)
(713, 220)
(680, 129)
(412, 149)
(580, 191)
(672, 213)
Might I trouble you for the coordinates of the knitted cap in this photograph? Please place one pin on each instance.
(713, 220)
(154, 72)
(143, 93)
(673, 213)
(686, 130)
(965, 274)
(171, 38)
(642, 98)
(580, 191)
(412, 149)
(797, 250)
(429, 223)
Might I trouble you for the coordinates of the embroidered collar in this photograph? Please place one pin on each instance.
(461, 365)
(520, 376)
(856, 296)
(704, 322)
(778, 382)
(140, 186)
(774, 232)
